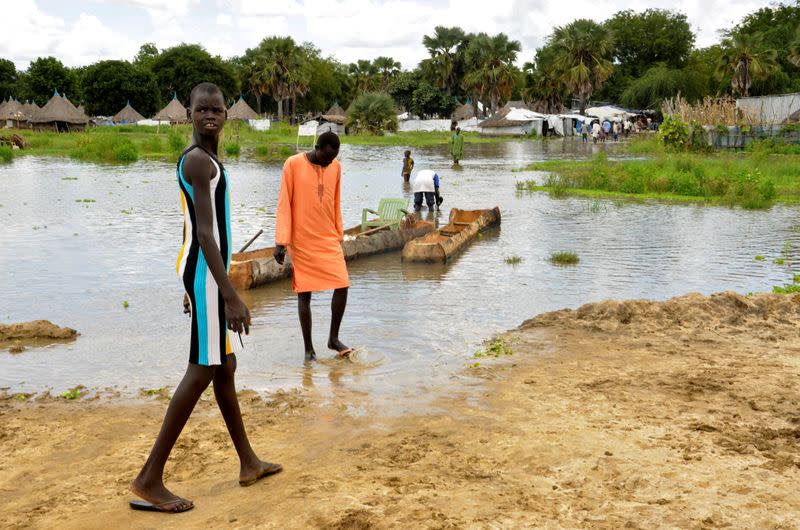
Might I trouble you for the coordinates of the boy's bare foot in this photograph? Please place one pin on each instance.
(251, 475)
(337, 346)
(159, 498)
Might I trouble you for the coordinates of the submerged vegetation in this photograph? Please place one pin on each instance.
(751, 180)
(6, 153)
(564, 258)
(495, 348)
(513, 260)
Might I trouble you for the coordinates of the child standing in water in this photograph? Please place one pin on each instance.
(408, 165)
(217, 311)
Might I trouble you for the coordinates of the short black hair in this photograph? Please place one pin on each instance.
(328, 138)
(205, 88)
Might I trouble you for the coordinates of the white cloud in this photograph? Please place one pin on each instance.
(224, 20)
(28, 32)
(89, 40)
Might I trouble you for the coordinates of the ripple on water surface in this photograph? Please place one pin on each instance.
(81, 239)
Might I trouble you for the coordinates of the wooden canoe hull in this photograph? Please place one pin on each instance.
(258, 267)
(443, 244)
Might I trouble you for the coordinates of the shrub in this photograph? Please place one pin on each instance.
(105, 148)
(232, 149)
(673, 132)
(6, 153)
(153, 145)
(176, 143)
(372, 113)
(125, 151)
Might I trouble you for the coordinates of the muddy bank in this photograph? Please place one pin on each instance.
(616, 415)
(17, 337)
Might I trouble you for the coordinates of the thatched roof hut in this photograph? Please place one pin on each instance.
(59, 114)
(464, 112)
(242, 111)
(174, 112)
(335, 114)
(127, 115)
(29, 108)
(12, 114)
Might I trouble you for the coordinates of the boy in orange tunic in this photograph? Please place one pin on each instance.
(309, 224)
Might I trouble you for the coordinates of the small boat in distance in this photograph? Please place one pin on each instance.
(443, 244)
(258, 267)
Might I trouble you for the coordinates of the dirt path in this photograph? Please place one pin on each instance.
(631, 414)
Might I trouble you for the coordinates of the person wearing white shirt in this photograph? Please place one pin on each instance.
(426, 184)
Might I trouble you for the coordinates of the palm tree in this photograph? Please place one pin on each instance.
(441, 68)
(388, 69)
(543, 89)
(365, 76)
(794, 49)
(277, 66)
(744, 58)
(583, 57)
(490, 69)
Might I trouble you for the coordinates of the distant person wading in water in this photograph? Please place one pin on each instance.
(309, 225)
(218, 314)
(457, 145)
(408, 165)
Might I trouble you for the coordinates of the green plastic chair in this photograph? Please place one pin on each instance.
(390, 212)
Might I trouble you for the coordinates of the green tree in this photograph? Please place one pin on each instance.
(8, 79)
(490, 69)
(794, 49)
(365, 76)
(746, 60)
(402, 88)
(662, 82)
(387, 68)
(108, 85)
(444, 68)
(44, 76)
(543, 86)
(325, 82)
(280, 68)
(428, 101)
(372, 113)
(583, 50)
(148, 53)
(654, 36)
(180, 68)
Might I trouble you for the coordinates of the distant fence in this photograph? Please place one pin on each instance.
(737, 138)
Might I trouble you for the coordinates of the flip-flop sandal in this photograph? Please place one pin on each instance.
(345, 354)
(161, 507)
(271, 469)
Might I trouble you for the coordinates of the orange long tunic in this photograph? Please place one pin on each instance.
(309, 223)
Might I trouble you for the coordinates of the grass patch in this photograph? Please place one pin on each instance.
(74, 393)
(6, 153)
(789, 288)
(759, 257)
(232, 149)
(747, 180)
(105, 148)
(563, 258)
(513, 260)
(495, 348)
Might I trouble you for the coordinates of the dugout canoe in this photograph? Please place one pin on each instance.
(443, 244)
(258, 267)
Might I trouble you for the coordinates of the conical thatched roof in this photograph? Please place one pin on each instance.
(335, 110)
(174, 112)
(464, 112)
(12, 110)
(127, 115)
(242, 111)
(29, 108)
(335, 114)
(58, 109)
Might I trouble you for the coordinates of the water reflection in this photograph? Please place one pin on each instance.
(73, 261)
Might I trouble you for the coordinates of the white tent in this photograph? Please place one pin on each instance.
(609, 112)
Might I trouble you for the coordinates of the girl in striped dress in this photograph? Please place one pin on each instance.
(217, 311)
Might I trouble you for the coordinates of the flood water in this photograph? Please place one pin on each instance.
(415, 327)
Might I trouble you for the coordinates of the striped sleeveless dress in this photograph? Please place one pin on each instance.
(211, 340)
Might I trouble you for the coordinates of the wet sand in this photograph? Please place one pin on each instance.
(616, 415)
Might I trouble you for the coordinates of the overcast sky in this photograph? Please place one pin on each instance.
(80, 32)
